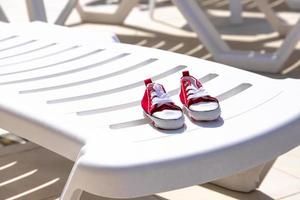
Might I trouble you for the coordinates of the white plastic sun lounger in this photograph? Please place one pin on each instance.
(80, 98)
(37, 11)
(255, 61)
(200, 23)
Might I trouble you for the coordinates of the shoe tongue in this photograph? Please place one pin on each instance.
(192, 81)
(151, 85)
(158, 88)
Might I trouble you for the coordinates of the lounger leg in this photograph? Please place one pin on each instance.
(36, 10)
(72, 195)
(72, 190)
(3, 16)
(65, 13)
(236, 11)
(246, 181)
(151, 8)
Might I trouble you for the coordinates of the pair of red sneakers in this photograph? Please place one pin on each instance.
(166, 115)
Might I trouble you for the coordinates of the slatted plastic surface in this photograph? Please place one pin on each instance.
(56, 81)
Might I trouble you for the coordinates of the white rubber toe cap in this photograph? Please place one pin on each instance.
(204, 106)
(168, 114)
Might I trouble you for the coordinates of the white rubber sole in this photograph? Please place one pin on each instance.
(167, 124)
(209, 115)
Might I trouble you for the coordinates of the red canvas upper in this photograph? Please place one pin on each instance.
(147, 101)
(187, 80)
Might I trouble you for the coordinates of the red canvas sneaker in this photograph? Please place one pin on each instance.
(199, 105)
(159, 107)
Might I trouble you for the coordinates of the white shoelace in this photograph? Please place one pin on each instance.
(159, 96)
(194, 92)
